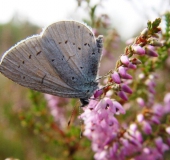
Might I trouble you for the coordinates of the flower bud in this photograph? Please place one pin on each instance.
(132, 66)
(138, 50)
(98, 93)
(144, 32)
(135, 61)
(126, 88)
(168, 130)
(123, 73)
(124, 59)
(140, 101)
(150, 51)
(147, 127)
(140, 117)
(154, 42)
(116, 78)
(122, 95)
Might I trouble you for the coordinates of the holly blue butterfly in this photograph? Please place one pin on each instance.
(63, 61)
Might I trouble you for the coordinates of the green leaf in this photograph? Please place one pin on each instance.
(149, 25)
(156, 23)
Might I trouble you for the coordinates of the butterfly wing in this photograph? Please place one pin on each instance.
(80, 52)
(57, 62)
(27, 65)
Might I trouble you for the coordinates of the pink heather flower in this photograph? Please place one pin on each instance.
(139, 50)
(122, 95)
(150, 51)
(139, 136)
(119, 108)
(124, 59)
(140, 117)
(141, 75)
(116, 78)
(151, 85)
(168, 141)
(147, 127)
(155, 119)
(57, 111)
(100, 155)
(162, 147)
(132, 66)
(158, 110)
(101, 127)
(151, 99)
(167, 98)
(140, 101)
(131, 142)
(148, 153)
(123, 73)
(127, 76)
(133, 127)
(167, 103)
(168, 130)
(126, 88)
(98, 93)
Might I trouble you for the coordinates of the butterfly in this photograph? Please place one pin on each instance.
(62, 61)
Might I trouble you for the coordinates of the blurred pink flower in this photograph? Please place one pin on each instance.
(56, 106)
(140, 101)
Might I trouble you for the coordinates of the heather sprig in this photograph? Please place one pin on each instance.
(144, 45)
(110, 138)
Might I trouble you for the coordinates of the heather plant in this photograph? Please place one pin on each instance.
(128, 116)
(124, 118)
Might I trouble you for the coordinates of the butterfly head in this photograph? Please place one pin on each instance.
(84, 102)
